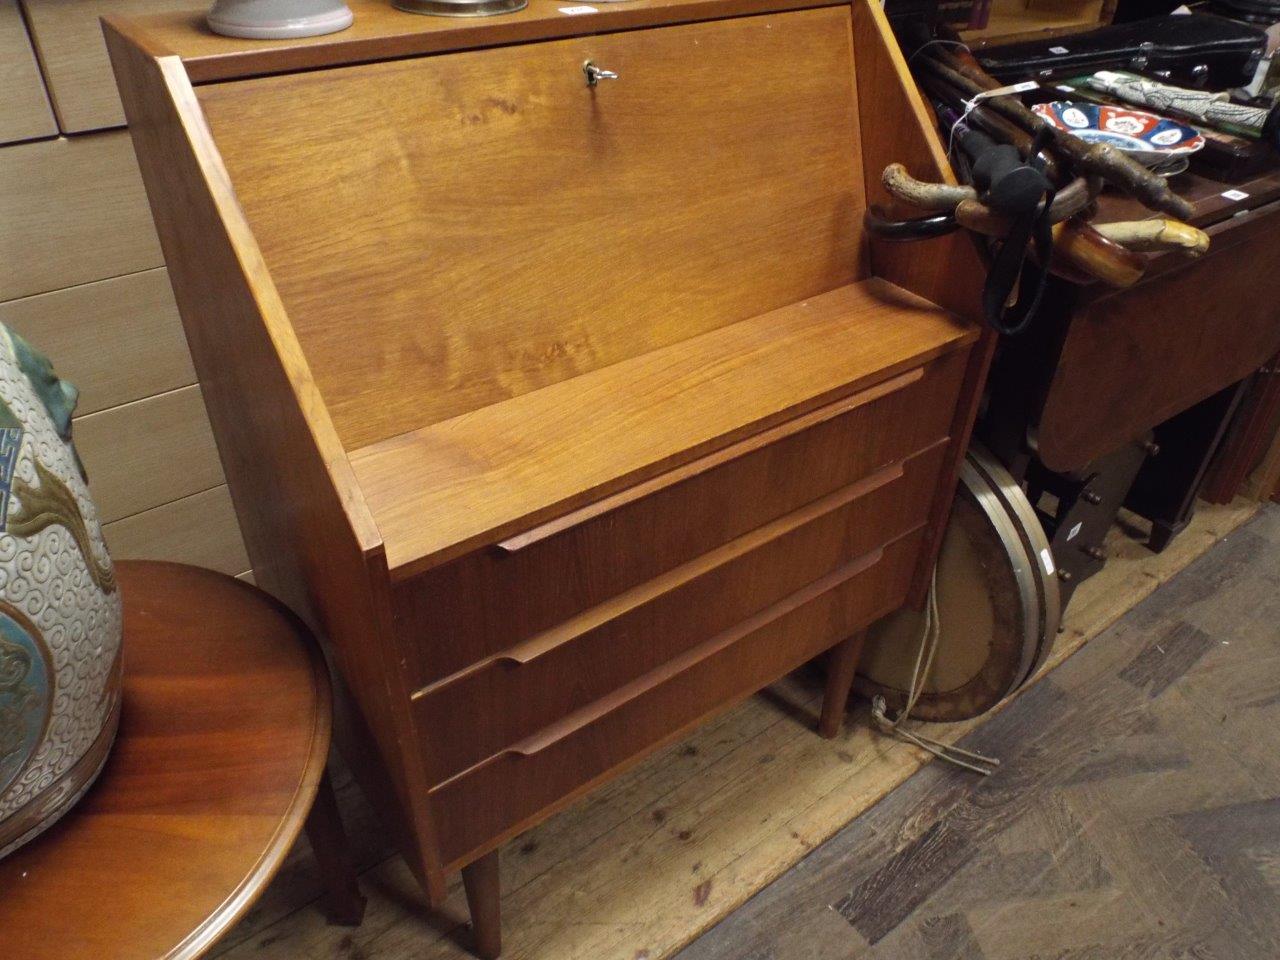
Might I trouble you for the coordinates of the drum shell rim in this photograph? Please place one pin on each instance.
(1015, 501)
(1019, 534)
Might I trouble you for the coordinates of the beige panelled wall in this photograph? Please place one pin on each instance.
(74, 211)
(76, 70)
(82, 278)
(24, 107)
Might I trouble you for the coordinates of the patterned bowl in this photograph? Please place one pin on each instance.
(1147, 138)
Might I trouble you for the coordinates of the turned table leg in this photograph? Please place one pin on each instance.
(480, 878)
(842, 661)
(343, 902)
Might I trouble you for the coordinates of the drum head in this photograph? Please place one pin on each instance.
(997, 600)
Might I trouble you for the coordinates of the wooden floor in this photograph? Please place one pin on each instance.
(1136, 815)
(641, 867)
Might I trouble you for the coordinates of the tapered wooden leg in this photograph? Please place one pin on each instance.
(480, 878)
(842, 662)
(343, 902)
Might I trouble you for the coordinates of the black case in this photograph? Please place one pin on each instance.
(1194, 50)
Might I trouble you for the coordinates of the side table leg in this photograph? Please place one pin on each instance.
(480, 878)
(343, 902)
(842, 662)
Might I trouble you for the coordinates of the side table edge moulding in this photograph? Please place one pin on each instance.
(187, 840)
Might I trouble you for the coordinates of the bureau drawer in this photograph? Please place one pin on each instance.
(493, 599)
(505, 793)
(503, 699)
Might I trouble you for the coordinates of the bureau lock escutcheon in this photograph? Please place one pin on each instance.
(595, 74)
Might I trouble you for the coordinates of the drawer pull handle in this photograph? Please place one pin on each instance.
(589, 714)
(550, 528)
(595, 74)
(583, 623)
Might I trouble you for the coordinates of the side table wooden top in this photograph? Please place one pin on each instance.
(223, 740)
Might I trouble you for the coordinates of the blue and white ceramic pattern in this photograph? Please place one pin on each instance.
(60, 613)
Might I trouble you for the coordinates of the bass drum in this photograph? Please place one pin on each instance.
(998, 605)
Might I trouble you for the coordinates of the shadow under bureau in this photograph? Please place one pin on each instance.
(569, 410)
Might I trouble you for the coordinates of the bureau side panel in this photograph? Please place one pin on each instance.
(898, 127)
(308, 534)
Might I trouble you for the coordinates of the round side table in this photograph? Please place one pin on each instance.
(219, 762)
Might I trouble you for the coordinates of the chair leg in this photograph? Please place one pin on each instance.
(842, 662)
(343, 902)
(480, 878)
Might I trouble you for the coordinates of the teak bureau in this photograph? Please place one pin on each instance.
(569, 412)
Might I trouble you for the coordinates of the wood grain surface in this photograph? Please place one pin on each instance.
(515, 301)
(73, 211)
(672, 846)
(1120, 823)
(898, 127)
(634, 546)
(200, 799)
(728, 466)
(1254, 427)
(1094, 403)
(117, 340)
(612, 644)
(381, 32)
(947, 270)
(1206, 196)
(24, 108)
(323, 556)
(548, 228)
(1010, 20)
(500, 797)
(442, 489)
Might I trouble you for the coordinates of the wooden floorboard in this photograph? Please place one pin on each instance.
(697, 833)
(1136, 813)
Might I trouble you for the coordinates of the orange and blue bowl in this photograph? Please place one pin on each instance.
(1149, 139)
